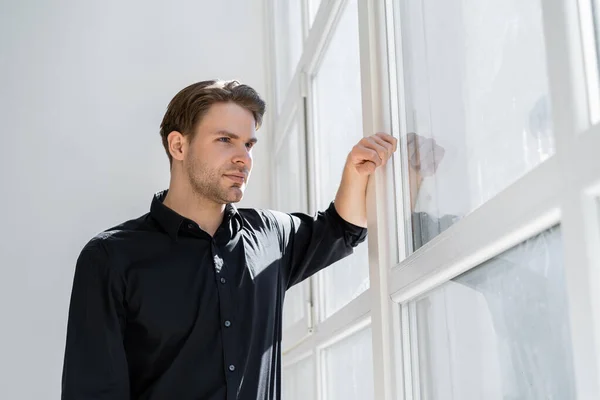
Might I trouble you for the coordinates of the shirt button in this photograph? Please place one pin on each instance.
(227, 324)
(191, 226)
(223, 280)
(232, 367)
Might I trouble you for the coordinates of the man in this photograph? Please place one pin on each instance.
(186, 301)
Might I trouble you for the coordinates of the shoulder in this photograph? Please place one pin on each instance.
(111, 244)
(262, 217)
(122, 233)
(267, 221)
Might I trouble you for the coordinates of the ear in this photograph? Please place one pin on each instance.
(177, 145)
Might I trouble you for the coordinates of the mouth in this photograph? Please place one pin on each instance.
(237, 178)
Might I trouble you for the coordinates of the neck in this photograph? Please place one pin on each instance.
(186, 202)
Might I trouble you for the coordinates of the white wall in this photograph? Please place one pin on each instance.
(84, 86)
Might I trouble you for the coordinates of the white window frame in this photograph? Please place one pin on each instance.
(355, 315)
(303, 327)
(565, 190)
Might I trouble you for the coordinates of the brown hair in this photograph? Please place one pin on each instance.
(188, 106)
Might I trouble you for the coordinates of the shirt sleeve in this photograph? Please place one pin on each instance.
(425, 227)
(311, 243)
(95, 366)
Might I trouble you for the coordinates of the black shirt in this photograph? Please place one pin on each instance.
(161, 310)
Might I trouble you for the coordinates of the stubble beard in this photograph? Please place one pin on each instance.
(208, 183)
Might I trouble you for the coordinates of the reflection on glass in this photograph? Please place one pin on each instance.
(499, 331)
(288, 43)
(338, 127)
(477, 104)
(298, 381)
(349, 368)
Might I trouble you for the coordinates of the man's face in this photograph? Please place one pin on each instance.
(219, 160)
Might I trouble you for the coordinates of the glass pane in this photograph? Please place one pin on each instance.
(477, 105)
(590, 34)
(313, 7)
(289, 181)
(298, 381)
(293, 306)
(499, 331)
(338, 127)
(291, 198)
(595, 6)
(349, 368)
(288, 43)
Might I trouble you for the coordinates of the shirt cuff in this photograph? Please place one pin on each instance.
(353, 234)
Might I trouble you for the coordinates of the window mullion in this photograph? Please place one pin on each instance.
(570, 110)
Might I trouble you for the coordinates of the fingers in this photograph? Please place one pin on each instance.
(372, 152)
(385, 145)
(383, 148)
(365, 152)
(389, 147)
(366, 168)
(388, 139)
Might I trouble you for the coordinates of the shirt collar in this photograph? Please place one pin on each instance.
(171, 221)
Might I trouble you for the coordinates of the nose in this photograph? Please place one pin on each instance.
(243, 157)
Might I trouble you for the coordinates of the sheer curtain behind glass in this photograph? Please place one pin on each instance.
(499, 331)
(288, 43)
(477, 103)
(288, 164)
(338, 127)
(298, 380)
(289, 184)
(349, 368)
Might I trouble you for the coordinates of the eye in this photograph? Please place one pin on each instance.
(250, 145)
(224, 139)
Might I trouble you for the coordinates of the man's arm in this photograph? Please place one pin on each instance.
(313, 243)
(95, 366)
(369, 154)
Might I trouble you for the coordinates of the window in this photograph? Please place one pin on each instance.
(293, 308)
(477, 107)
(298, 380)
(313, 6)
(484, 229)
(290, 192)
(590, 18)
(321, 122)
(348, 368)
(288, 44)
(500, 330)
(289, 162)
(338, 127)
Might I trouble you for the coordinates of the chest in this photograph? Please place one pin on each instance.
(201, 285)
